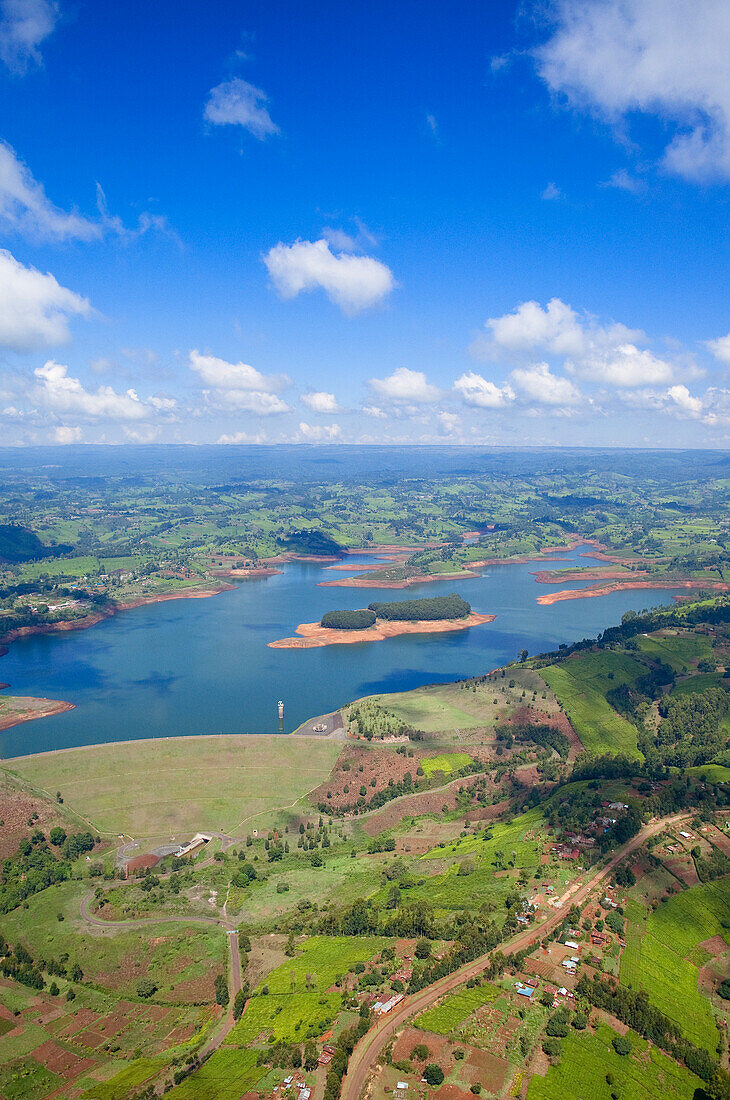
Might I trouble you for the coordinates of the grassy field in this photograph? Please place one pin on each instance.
(659, 960)
(580, 684)
(226, 1076)
(446, 762)
(456, 1008)
(711, 773)
(585, 1060)
(131, 1077)
(299, 999)
(178, 957)
(179, 785)
(678, 651)
(511, 847)
(462, 706)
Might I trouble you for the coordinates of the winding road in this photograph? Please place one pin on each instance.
(234, 964)
(368, 1050)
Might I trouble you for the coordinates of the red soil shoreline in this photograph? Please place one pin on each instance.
(619, 586)
(371, 582)
(34, 708)
(313, 635)
(58, 706)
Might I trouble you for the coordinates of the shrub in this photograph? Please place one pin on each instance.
(433, 1074)
(146, 987)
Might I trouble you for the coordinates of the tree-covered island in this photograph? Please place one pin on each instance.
(424, 610)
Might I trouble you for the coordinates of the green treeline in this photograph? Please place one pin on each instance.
(359, 619)
(634, 1009)
(434, 607)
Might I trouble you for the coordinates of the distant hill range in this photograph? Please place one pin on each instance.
(19, 544)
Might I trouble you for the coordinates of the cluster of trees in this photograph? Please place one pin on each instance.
(373, 720)
(358, 619)
(689, 732)
(428, 608)
(16, 962)
(35, 866)
(634, 1009)
(364, 918)
(543, 735)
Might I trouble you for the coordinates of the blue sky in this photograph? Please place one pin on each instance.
(490, 223)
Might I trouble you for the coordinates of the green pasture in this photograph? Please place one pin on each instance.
(711, 773)
(659, 960)
(505, 836)
(438, 708)
(678, 651)
(26, 1079)
(179, 785)
(512, 847)
(300, 998)
(585, 1059)
(82, 566)
(227, 1075)
(446, 762)
(131, 1077)
(580, 684)
(456, 1008)
(118, 957)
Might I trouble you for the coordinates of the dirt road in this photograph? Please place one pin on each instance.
(368, 1050)
(234, 961)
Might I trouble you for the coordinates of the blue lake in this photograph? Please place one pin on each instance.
(203, 666)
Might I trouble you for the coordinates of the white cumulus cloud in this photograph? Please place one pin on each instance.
(321, 402)
(479, 391)
(665, 58)
(539, 384)
(319, 433)
(623, 365)
(720, 348)
(24, 25)
(221, 374)
(405, 385)
(609, 354)
(349, 281)
(66, 434)
(58, 392)
(34, 308)
(685, 404)
(238, 103)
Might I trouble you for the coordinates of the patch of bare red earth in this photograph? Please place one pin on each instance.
(683, 868)
(16, 809)
(60, 1061)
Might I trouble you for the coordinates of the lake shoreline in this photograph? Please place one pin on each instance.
(314, 635)
(39, 707)
(624, 586)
